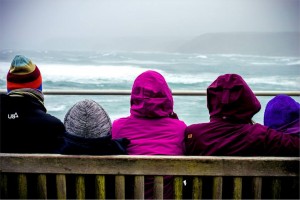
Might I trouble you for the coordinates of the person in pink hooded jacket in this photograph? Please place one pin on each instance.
(152, 127)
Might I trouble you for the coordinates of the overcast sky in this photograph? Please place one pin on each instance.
(34, 22)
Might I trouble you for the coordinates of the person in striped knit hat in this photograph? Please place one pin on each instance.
(25, 125)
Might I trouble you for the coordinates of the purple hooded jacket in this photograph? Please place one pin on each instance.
(152, 127)
(230, 132)
(282, 113)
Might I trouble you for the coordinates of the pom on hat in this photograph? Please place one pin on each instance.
(280, 111)
(87, 119)
(23, 74)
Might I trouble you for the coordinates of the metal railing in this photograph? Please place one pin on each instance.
(175, 92)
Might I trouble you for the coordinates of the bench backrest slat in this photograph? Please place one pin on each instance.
(28, 173)
(151, 165)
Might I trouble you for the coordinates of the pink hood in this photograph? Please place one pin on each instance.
(151, 96)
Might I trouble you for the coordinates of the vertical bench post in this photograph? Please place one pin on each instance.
(197, 188)
(257, 185)
(100, 186)
(22, 186)
(61, 187)
(217, 187)
(139, 187)
(42, 186)
(158, 191)
(120, 187)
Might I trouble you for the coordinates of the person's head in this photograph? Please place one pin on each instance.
(23, 73)
(87, 119)
(229, 97)
(280, 111)
(151, 96)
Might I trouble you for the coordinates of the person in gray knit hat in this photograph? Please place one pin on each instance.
(88, 131)
(87, 119)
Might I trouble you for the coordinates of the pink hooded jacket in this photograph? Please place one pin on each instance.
(230, 132)
(152, 127)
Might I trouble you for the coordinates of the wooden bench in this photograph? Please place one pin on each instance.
(281, 174)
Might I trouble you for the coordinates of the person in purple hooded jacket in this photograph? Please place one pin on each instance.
(152, 127)
(231, 131)
(282, 113)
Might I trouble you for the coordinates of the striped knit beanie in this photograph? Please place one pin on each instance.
(23, 74)
(87, 119)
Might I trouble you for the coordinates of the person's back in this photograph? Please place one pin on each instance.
(282, 113)
(230, 132)
(25, 125)
(152, 127)
(88, 132)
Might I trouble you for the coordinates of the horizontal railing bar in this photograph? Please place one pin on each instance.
(150, 165)
(175, 92)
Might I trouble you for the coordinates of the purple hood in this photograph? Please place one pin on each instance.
(151, 96)
(282, 113)
(229, 97)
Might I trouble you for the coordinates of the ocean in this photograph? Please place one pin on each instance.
(92, 70)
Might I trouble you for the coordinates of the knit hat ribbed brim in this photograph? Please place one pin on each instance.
(23, 74)
(87, 119)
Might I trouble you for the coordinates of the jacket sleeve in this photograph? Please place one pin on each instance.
(279, 143)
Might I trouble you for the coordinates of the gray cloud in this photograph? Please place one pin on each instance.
(90, 23)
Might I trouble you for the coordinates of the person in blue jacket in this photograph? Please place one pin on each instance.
(26, 127)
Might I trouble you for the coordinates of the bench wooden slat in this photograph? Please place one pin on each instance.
(158, 190)
(151, 165)
(17, 171)
(22, 186)
(139, 187)
(276, 188)
(42, 186)
(257, 187)
(197, 188)
(178, 181)
(61, 187)
(4, 188)
(120, 187)
(217, 187)
(100, 186)
(80, 187)
(237, 187)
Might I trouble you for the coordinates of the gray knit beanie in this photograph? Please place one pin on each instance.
(87, 119)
